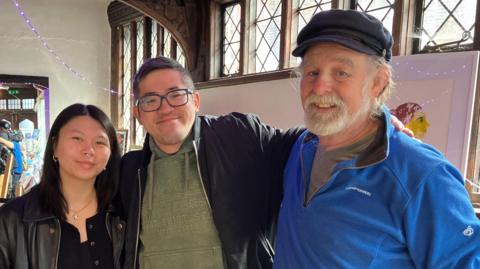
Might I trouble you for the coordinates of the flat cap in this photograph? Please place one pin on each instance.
(356, 30)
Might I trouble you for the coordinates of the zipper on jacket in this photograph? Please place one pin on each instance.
(58, 245)
(268, 247)
(108, 224)
(307, 201)
(139, 215)
(208, 201)
(201, 179)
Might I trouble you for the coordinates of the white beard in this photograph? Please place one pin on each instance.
(330, 123)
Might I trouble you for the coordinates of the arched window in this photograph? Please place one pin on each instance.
(135, 37)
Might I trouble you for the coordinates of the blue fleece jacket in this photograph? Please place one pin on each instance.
(403, 205)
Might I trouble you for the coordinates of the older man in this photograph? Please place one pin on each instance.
(357, 194)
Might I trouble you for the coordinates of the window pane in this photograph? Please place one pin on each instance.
(268, 22)
(28, 103)
(126, 117)
(167, 44)
(140, 40)
(154, 40)
(139, 133)
(231, 39)
(380, 9)
(180, 55)
(448, 21)
(304, 12)
(14, 104)
(3, 104)
(308, 8)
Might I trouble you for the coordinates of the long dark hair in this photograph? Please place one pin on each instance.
(51, 196)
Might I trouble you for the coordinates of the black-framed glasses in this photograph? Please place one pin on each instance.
(152, 101)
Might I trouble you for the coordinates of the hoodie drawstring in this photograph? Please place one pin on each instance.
(187, 169)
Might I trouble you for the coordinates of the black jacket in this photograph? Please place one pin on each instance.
(30, 238)
(241, 164)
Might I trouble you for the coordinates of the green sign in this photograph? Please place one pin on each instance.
(13, 91)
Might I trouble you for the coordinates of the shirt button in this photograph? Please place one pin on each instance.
(119, 226)
(92, 243)
(51, 231)
(97, 262)
(90, 226)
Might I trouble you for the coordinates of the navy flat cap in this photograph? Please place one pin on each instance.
(356, 30)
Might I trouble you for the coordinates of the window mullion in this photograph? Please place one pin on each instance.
(285, 34)
(133, 69)
(116, 72)
(403, 22)
(352, 4)
(476, 38)
(121, 84)
(147, 38)
(243, 24)
(173, 49)
(339, 4)
(248, 34)
(160, 45)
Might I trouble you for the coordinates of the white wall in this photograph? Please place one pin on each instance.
(77, 30)
(276, 102)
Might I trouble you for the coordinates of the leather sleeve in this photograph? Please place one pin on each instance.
(8, 224)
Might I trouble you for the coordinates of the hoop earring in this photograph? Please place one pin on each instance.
(55, 159)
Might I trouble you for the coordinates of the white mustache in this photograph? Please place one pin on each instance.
(324, 100)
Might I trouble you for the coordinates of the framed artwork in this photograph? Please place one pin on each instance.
(122, 138)
(435, 97)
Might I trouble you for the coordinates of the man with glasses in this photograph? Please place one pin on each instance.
(204, 191)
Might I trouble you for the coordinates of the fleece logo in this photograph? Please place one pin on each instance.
(468, 231)
(364, 192)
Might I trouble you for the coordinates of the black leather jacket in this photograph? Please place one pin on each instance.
(241, 162)
(30, 238)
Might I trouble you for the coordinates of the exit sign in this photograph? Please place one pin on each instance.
(13, 91)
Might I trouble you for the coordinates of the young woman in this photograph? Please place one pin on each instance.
(67, 220)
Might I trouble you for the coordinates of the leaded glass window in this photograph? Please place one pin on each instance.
(447, 21)
(304, 12)
(380, 9)
(231, 39)
(167, 44)
(267, 35)
(126, 81)
(139, 131)
(308, 8)
(154, 41)
(140, 39)
(180, 55)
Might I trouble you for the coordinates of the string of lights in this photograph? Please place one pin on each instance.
(50, 50)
